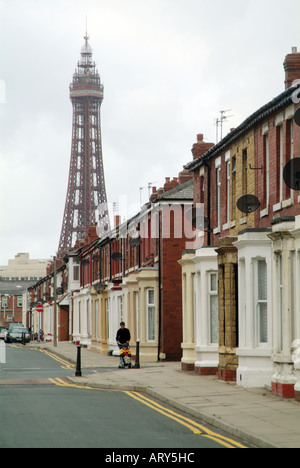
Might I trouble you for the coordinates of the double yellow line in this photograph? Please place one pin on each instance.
(65, 364)
(196, 428)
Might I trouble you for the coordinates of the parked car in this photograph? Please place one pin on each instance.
(3, 332)
(15, 324)
(17, 334)
(11, 326)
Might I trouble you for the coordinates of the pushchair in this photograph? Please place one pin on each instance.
(125, 356)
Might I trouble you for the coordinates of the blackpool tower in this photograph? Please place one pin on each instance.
(86, 185)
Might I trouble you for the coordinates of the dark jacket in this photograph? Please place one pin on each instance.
(123, 335)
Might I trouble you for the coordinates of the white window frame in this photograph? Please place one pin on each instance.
(212, 293)
(280, 163)
(107, 306)
(150, 308)
(219, 195)
(228, 168)
(120, 308)
(267, 170)
(260, 301)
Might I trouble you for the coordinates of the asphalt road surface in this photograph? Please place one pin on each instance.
(40, 408)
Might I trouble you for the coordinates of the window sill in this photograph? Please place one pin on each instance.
(264, 212)
(277, 207)
(217, 230)
(287, 203)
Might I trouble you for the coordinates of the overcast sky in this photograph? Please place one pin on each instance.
(168, 68)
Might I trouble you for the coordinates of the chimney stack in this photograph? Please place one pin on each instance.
(117, 220)
(292, 67)
(200, 147)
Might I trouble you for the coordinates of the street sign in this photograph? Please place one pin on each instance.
(39, 308)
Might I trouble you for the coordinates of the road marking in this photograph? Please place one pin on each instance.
(196, 428)
(65, 364)
(165, 412)
(227, 442)
(62, 383)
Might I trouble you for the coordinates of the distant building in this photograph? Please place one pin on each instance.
(11, 300)
(22, 268)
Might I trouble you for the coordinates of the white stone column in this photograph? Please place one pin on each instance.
(207, 358)
(188, 345)
(284, 377)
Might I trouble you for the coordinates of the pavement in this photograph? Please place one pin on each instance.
(252, 415)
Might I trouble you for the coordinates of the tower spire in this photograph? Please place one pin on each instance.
(86, 186)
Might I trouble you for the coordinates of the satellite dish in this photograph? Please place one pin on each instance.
(248, 203)
(117, 256)
(196, 217)
(297, 116)
(85, 262)
(291, 174)
(134, 241)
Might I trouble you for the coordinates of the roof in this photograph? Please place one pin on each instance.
(181, 192)
(276, 104)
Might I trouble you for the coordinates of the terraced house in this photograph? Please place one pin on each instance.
(132, 275)
(241, 297)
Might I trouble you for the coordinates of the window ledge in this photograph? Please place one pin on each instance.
(286, 203)
(217, 230)
(277, 207)
(264, 212)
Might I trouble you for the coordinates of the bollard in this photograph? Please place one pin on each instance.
(78, 365)
(137, 356)
(23, 339)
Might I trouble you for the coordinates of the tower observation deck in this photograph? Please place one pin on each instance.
(86, 185)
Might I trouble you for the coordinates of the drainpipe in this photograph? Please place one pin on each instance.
(159, 286)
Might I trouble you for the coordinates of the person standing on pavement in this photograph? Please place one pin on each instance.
(123, 335)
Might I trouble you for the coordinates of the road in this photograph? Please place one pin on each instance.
(40, 408)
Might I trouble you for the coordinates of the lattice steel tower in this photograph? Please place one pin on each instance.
(86, 187)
